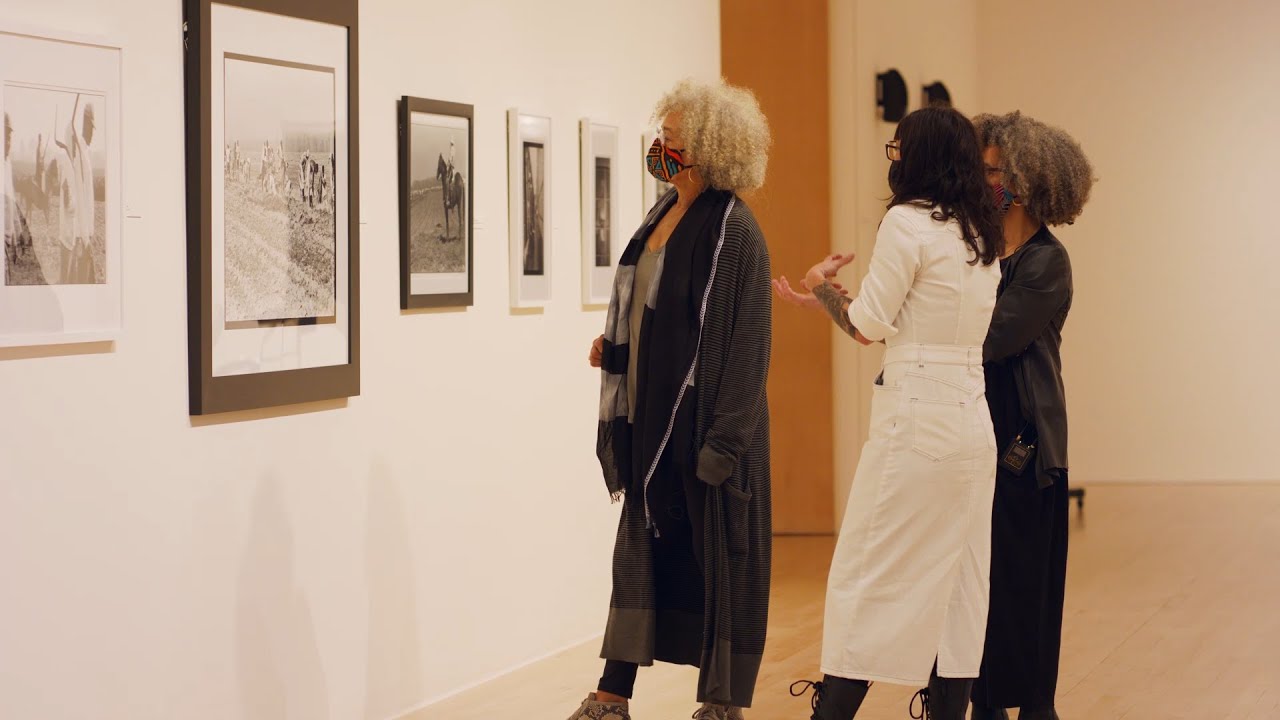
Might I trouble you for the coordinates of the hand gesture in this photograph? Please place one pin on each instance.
(825, 270)
(783, 288)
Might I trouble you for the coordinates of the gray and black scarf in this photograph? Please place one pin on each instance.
(669, 340)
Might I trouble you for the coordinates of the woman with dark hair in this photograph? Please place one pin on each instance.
(1040, 177)
(908, 583)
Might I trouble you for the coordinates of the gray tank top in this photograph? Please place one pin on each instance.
(646, 267)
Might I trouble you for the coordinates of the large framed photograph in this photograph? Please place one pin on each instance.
(436, 223)
(529, 177)
(60, 279)
(601, 243)
(653, 188)
(272, 202)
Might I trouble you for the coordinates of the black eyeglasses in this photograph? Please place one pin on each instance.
(893, 150)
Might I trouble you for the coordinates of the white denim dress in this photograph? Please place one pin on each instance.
(910, 578)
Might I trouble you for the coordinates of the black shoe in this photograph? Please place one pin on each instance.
(835, 698)
(982, 712)
(1040, 713)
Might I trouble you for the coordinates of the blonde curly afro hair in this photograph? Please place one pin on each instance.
(1043, 165)
(724, 131)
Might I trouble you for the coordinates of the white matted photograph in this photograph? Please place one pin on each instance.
(60, 279)
(272, 158)
(435, 203)
(529, 177)
(280, 236)
(601, 244)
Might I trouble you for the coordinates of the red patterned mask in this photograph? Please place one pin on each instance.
(663, 162)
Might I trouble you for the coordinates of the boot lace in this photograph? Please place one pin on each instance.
(805, 686)
(923, 714)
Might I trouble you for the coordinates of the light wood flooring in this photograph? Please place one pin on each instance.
(1173, 611)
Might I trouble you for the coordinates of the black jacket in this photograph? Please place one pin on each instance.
(1026, 340)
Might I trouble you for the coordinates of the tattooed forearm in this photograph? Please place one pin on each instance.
(837, 306)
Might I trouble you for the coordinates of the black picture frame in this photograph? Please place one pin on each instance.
(211, 394)
(407, 107)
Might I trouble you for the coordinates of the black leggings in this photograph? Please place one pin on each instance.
(619, 678)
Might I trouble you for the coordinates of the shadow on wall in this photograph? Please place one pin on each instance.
(395, 681)
(281, 675)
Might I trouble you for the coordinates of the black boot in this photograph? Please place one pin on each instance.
(835, 698)
(944, 699)
(982, 712)
(1038, 713)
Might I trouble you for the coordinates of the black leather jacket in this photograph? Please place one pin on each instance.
(1026, 335)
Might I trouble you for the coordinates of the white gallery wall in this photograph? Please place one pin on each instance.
(342, 560)
(1176, 321)
(925, 40)
(1172, 344)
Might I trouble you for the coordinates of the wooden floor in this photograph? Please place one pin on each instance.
(1173, 611)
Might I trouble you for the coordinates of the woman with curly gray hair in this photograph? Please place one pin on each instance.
(1040, 177)
(684, 424)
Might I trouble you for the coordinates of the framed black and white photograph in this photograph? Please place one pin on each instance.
(272, 243)
(601, 244)
(435, 204)
(61, 209)
(653, 188)
(529, 177)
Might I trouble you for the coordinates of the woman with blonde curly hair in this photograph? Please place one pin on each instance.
(1040, 177)
(684, 425)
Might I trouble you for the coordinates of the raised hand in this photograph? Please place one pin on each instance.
(783, 288)
(826, 269)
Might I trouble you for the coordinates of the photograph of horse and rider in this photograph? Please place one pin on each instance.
(55, 187)
(279, 195)
(439, 173)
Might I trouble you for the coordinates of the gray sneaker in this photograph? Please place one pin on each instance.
(709, 711)
(594, 710)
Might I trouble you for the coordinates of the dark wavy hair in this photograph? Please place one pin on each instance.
(941, 167)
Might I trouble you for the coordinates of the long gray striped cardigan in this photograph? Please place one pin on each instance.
(730, 451)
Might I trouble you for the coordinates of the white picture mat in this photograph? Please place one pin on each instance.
(443, 283)
(528, 290)
(599, 141)
(280, 347)
(59, 314)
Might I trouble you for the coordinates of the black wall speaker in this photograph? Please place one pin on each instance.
(891, 95)
(936, 95)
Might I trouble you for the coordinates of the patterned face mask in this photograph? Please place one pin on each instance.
(663, 162)
(1003, 198)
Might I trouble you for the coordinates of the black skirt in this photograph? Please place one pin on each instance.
(1028, 571)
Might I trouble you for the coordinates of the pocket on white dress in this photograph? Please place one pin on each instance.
(940, 428)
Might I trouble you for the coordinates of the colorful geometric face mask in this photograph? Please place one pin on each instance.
(1003, 198)
(663, 162)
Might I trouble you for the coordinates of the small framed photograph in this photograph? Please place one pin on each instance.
(529, 176)
(61, 275)
(436, 223)
(272, 202)
(654, 188)
(601, 244)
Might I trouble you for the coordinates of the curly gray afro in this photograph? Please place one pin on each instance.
(1043, 165)
(724, 130)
